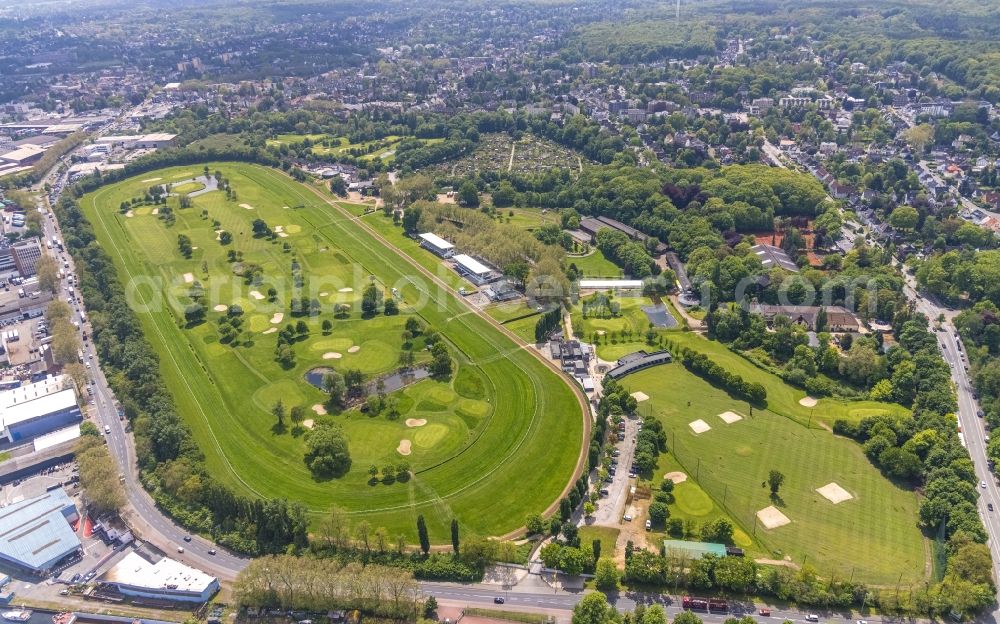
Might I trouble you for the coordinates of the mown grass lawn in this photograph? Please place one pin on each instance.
(186, 187)
(607, 535)
(501, 440)
(874, 535)
(631, 319)
(595, 265)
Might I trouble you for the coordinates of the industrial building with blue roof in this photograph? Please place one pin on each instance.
(35, 534)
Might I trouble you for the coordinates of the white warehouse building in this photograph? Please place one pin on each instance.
(166, 579)
(436, 244)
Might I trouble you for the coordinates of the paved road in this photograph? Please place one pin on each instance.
(561, 602)
(972, 427)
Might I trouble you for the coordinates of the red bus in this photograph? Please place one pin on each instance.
(695, 604)
(718, 604)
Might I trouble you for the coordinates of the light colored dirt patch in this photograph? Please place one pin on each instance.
(129, 214)
(442, 198)
(346, 290)
(834, 493)
(772, 518)
(256, 295)
(189, 277)
(151, 180)
(277, 318)
(778, 562)
(730, 417)
(308, 422)
(808, 401)
(246, 206)
(640, 396)
(332, 355)
(404, 447)
(221, 307)
(354, 349)
(270, 330)
(416, 422)
(676, 477)
(699, 426)
(601, 332)
(156, 211)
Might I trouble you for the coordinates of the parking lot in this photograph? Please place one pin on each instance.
(611, 507)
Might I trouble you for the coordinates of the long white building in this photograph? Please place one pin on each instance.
(166, 579)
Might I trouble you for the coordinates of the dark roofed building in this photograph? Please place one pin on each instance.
(638, 361)
(771, 256)
(838, 318)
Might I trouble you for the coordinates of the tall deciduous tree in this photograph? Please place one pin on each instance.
(47, 270)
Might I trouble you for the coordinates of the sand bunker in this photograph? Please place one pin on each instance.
(404, 447)
(247, 206)
(319, 409)
(189, 277)
(772, 518)
(283, 234)
(129, 214)
(834, 493)
(156, 211)
(277, 318)
(221, 307)
(346, 290)
(676, 477)
(640, 396)
(279, 228)
(416, 422)
(256, 295)
(331, 355)
(270, 330)
(151, 180)
(308, 422)
(730, 417)
(324, 294)
(699, 426)
(354, 349)
(808, 401)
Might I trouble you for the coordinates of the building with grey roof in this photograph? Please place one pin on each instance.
(771, 256)
(35, 534)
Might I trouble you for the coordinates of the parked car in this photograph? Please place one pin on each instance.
(649, 525)
(187, 538)
(211, 551)
(989, 506)
(180, 549)
(812, 617)
(764, 613)
(498, 600)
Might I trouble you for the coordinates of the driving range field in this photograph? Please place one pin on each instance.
(500, 440)
(835, 510)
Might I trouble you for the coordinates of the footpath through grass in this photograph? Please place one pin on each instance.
(500, 441)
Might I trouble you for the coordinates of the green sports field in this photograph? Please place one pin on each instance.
(501, 440)
(874, 535)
